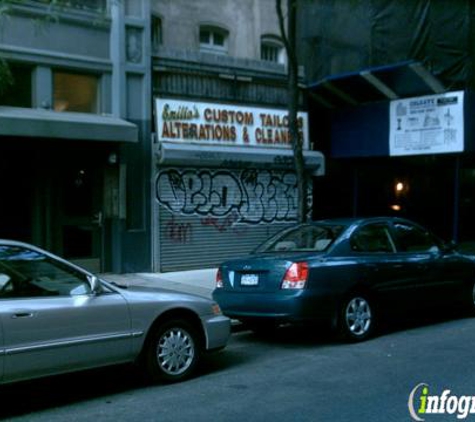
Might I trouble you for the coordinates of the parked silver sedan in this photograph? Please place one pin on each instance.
(56, 317)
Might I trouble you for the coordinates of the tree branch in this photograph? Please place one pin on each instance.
(289, 43)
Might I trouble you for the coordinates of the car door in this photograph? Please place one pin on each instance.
(392, 276)
(2, 347)
(441, 277)
(53, 322)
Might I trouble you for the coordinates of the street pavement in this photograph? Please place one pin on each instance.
(296, 374)
(200, 282)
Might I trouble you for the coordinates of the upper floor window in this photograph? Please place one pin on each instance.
(75, 92)
(272, 49)
(15, 85)
(157, 31)
(213, 39)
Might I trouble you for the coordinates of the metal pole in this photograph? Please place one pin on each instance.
(355, 191)
(455, 227)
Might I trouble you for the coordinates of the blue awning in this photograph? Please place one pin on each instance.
(401, 80)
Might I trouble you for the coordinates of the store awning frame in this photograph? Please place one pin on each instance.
(383, 83)
(39, 123)
(174, 154)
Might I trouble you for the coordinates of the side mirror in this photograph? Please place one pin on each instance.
(95, 283)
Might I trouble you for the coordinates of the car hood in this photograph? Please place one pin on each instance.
(147, 293)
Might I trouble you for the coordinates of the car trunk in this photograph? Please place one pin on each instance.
(261, 273)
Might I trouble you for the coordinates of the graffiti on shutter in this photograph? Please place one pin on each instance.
(209, 215)
(249, 196)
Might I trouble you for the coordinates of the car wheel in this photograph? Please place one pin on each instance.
(356, 322)
(173, 351)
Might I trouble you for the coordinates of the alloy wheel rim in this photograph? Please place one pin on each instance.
(358, 316)
(175, 351)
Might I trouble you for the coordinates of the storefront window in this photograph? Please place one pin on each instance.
(76, 92)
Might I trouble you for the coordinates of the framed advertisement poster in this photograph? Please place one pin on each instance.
(427, 125)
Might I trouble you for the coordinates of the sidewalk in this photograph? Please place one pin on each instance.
(199, 282)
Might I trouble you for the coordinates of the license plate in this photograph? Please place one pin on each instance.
(249, 280)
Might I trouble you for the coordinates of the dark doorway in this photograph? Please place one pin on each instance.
(418, 188)
(466, 211)
(78, 208)
(52, 196)
(16, 188)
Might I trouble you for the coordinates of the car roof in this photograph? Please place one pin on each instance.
(10, 242)
(348, 221)
(15, 243)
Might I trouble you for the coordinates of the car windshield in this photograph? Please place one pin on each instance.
(305, 238)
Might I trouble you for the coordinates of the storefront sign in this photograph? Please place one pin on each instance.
(224, 124)
(427, 125)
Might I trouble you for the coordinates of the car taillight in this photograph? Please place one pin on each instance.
(219, 279)
(296, 276)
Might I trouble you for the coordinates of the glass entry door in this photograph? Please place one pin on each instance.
(79, 234)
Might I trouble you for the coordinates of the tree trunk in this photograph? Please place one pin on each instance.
(289, 39)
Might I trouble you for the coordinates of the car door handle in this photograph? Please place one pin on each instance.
(25, 314)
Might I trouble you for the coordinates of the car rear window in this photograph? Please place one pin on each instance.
(306, 238)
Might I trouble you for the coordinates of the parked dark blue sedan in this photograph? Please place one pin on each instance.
(346, 271)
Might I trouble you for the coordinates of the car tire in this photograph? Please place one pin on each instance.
(356, 320)
(173, 351)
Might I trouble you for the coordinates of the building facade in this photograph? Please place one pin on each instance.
(222, 164)
(392, 99)
(75, 122)
(145, 135)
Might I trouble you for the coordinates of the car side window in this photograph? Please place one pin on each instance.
(411, 238)
(372, 238)
(27, 273)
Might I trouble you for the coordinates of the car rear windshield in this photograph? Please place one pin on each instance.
(305, 238)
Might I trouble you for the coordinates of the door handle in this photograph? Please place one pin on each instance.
(25, 314)
(97, 219)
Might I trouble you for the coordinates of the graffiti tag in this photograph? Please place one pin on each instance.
(179, 232)
(249, 196)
